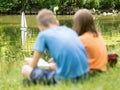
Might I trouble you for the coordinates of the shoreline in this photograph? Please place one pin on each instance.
(94, 12)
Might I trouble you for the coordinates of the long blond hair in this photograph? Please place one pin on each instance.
(83, 22)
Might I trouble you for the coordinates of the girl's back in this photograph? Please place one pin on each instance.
(96, 51)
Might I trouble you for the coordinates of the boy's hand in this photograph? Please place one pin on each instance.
(51, 60)
(26, 71)
(28, 61)
(52, 66)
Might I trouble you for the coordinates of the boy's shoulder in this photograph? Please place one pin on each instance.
(57, 29)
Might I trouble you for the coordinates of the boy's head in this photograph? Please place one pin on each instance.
(46, 19)
(83, 22)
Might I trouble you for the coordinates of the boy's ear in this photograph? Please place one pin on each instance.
(57, 22)
(41, 27)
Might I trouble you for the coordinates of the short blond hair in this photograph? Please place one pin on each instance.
(46, 17)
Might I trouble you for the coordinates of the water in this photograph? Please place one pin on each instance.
(10, 35)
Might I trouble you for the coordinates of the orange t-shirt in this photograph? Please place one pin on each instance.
(96, 51)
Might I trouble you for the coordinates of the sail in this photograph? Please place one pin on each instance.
(23, 28)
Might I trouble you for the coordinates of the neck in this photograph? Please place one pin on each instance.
(52, 25)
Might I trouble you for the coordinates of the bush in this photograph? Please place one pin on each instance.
(117, 4)
(107, 4)
(89, 4)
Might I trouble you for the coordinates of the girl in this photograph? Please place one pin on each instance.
(92, 40)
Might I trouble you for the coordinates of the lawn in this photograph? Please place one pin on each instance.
(11, 79)
(12, 55)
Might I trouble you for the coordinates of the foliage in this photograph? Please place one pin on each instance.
(64, 5)
(6, 5)
(117, 4)
(10, 46)
(91, 4)
(107, 4)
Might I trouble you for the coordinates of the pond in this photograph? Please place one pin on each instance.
(10, 35)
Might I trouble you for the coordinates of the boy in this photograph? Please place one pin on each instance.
(63, 45)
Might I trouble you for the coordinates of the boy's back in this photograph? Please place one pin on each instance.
(68, 52)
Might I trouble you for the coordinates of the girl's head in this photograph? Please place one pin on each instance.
(83, 22)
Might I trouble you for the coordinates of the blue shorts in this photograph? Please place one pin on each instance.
(43, 76)
(47, 77)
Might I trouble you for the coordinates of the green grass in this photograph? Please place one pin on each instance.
(11, 79)
(10, 65)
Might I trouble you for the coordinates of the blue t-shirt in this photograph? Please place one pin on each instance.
(66, 49)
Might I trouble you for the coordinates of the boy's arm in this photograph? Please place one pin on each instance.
(36, 57)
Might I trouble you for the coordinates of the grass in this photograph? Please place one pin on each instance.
(10, 65)
(11, 79)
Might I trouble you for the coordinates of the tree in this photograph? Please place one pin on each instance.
(117, 4)
(107, 4)
(6, 5)
(64, 5)
(91, 4)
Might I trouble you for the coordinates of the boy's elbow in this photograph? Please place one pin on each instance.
(32, 65)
